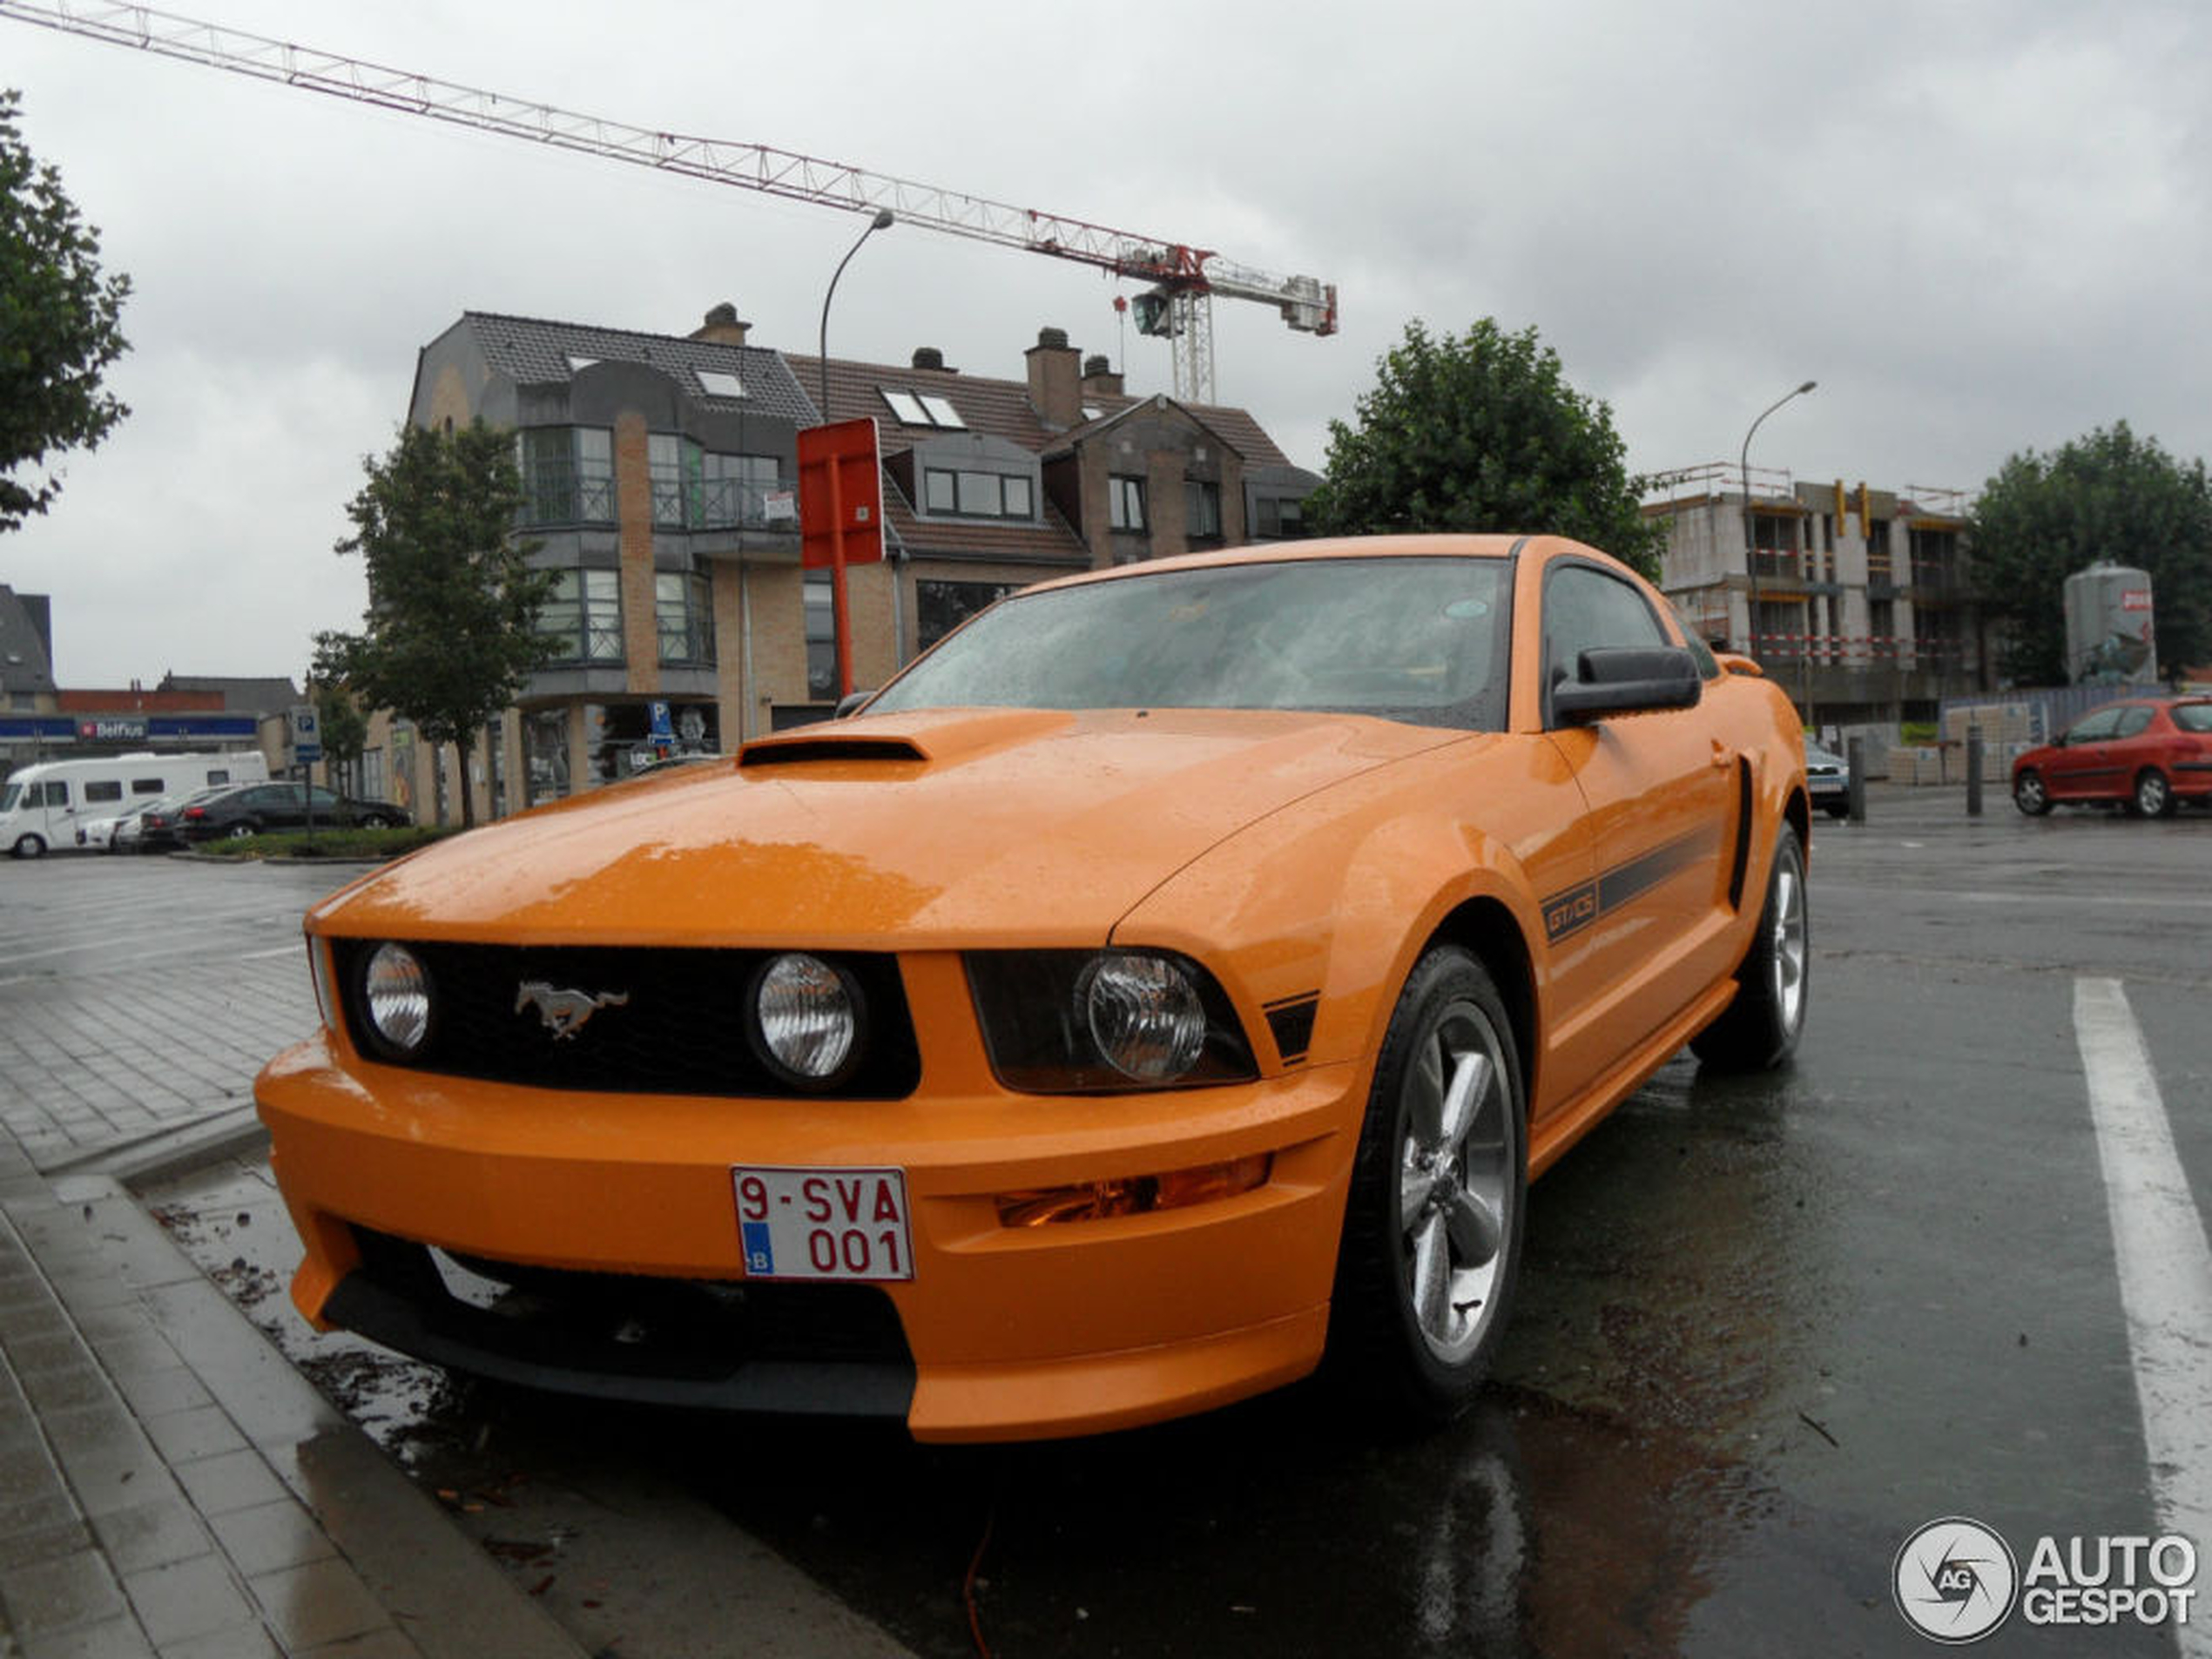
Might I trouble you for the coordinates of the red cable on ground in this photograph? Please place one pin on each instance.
(967, 1585)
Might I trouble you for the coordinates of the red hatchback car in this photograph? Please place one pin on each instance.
(2146, 753)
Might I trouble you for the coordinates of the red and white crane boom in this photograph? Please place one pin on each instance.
(1184, 278)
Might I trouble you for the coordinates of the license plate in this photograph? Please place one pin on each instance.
(824, 1223)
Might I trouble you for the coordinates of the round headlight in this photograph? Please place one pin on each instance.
(395, 989)
(1144, 1016)
(807, 1016)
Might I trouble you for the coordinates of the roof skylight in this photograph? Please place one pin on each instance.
(720, 383)
(926, 408)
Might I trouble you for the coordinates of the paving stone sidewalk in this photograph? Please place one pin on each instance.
(169, 1486)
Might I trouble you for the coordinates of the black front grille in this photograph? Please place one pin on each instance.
(664, 1022)
(722, 1344)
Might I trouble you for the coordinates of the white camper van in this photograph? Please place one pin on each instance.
(41, 804)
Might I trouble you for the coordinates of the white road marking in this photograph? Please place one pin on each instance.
(2165, 1270)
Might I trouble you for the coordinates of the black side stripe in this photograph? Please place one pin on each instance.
(1574, 908)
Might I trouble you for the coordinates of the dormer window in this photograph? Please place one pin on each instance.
(922, 408)
(965, 493)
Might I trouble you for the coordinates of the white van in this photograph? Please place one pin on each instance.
(41, 805)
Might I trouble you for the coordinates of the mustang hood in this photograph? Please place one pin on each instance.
(974, 827)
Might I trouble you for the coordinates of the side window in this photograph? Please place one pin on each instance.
(2094, 728)
(215, 775)
(100, 789)
(146, 786)
(2131, 722)
(1585, 606)
(54, 793)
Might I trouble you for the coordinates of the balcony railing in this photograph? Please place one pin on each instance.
(726, 503)
(558, 492)
(1860, 651)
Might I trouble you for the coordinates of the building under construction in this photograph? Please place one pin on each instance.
(1860, 602)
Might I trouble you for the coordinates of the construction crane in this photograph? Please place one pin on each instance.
(1183, 278)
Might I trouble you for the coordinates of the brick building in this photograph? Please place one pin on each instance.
(659, 477)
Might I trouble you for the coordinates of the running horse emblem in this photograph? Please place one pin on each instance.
(564, 1012)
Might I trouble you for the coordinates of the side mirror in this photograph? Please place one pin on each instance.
(1628, 680)
(850, 703)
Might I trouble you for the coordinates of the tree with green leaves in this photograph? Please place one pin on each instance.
(2109, 495)
(450, 635)
(1482, 433)
(343, 728)
(59, 327)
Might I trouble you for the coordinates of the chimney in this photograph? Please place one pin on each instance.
(1099, 376)
(722, 326)
(1054, 392)
(930, 357)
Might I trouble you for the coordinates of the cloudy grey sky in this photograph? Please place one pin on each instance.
(1980, 225)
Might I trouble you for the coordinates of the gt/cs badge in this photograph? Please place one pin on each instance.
(563, 1011)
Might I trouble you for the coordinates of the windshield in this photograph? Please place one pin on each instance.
(1416, 639)
(10, 797)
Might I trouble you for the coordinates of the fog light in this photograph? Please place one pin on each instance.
(807, 1018)
(1145, 1015)
(395, 987)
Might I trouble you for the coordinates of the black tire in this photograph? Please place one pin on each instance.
(1761, 1027)
(28, 846)
(1419, 1308)
(240, 831)
(1838, 809)
(2153, 796)
(2030, 794)
(376, 820)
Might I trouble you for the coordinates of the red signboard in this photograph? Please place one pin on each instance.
(840, 495)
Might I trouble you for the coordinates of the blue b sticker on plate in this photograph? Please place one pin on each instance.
(760, 1252)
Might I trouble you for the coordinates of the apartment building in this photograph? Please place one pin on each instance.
(659, 479)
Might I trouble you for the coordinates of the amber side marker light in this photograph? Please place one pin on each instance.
(1134, 1195)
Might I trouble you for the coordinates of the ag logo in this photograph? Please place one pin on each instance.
(1955, 1580)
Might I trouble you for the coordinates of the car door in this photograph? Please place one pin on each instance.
(1661, 793)
(2084, 766)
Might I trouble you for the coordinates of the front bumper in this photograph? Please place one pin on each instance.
(1002, 1332)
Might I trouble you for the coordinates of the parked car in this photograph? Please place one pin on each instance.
(1828, 779)
(282, 806)
(2145, 753)
(98, 834)
(160, 827)
(1167, 985)
(43, 805)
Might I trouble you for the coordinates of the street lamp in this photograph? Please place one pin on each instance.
(1751, 551)
(882, 221)
(841, 613)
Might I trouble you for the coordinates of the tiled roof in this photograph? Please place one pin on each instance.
(532, 351)
(1001, 408)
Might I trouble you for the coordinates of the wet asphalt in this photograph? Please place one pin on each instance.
(1769, 1326)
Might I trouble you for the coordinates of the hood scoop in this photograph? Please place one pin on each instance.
(937, 736)
(793, 751)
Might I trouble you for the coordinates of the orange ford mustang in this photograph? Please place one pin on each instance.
(1167, 984)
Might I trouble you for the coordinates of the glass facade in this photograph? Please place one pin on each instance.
(684, 611)
(584, 614)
